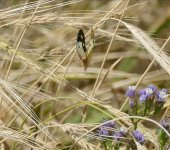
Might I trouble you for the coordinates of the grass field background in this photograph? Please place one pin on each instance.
(48, 100)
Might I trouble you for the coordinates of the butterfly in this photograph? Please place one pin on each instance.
(84, 53)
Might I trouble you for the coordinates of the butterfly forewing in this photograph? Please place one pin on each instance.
(84, 54)
(81, 45)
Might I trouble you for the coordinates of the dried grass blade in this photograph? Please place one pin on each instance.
(151, 46)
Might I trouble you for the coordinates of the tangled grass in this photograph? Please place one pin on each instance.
(48, 101)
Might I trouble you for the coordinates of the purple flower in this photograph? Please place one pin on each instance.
(118, 135)
(139, 136)
(142, 98)
(131, 91)
(111, 124)
(153, 87)
(149, 91)
(103, 131)
(131, 103)
(146, 93)
(162, 95)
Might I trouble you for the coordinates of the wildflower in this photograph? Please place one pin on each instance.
(153, 87)
(131, 103)
(103, 131)
(146, 93)
(138, 136)
(131, 91)
(162, 95)
(111, 124)
(142, 98)
(118, 135)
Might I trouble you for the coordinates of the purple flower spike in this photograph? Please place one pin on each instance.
(120, 134)
(110, 124)
(142, 92)
(153, 87)
(146, 93)
(131, 91)
(103, 131)
(131, 104)
(162, 95)
(142, 98)
(139, 136)
(117, 135)
(149, 91)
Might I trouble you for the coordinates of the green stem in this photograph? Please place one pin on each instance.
(136, 106)
(117, 146)
(105, 145)
(145, 109)
(128, 147)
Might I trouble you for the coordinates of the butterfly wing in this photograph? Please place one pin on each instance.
(91, 46)
(81, 47)
(84, 54)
